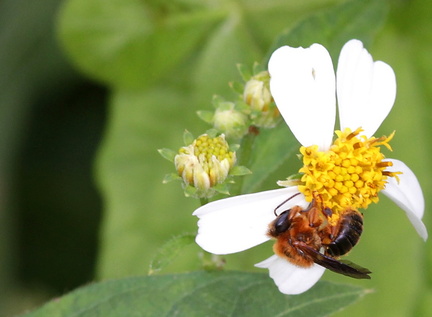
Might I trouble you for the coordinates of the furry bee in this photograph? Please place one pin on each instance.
(305, 237)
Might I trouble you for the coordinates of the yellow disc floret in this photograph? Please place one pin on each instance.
(349, 175)
(206, 147)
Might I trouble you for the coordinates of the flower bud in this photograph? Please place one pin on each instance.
(257, 92)
(232, 122)
(257, 95)
(204, 164)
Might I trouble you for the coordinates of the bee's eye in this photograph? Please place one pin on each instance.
(282, 223)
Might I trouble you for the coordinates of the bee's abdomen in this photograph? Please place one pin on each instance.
(351, 228)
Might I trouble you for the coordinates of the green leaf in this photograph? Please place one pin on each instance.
(188, 138)
(132, 42)
(239, 171)
(140, 211)
(245, 71)
(360, 19)
(170, 251)
(222, 188)
(271, 149)
(167, 154)
(237, 87)
(206, 116)
(232, 41)
(171, 177)
(190, 191)
(199, 294)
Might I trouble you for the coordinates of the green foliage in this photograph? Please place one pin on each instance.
(273, 148)
(199, 294)
(332, 28)
(170, 251)
(167, 154)
(132, 42)
(163, 61)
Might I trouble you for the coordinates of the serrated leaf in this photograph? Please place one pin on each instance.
(199, 294)
(170, 251)
(359, 19)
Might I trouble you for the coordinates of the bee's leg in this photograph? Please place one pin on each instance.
(314, 217)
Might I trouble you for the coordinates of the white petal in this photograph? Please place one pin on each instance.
(407, 194)
(238, 223)
(302, 83)
(366, 90)
(289, 278)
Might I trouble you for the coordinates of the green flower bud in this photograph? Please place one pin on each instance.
(204, 164)
(264, 112)
(257, 92)
(232, 122)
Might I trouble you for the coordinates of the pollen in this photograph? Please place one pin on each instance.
(350, 174)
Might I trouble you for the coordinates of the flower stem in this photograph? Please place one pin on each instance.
(244, 155)
(203, 201)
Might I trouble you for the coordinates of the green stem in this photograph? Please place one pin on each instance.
(244, 155)
(203, 201)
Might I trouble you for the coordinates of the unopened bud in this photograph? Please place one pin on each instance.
(205, 163)
(232, 122)
(257, 95)
(257, 92)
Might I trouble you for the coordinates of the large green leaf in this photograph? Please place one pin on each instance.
(132, 42)
(271, 149)
(141, 211)
(199, 294)
(360, 19)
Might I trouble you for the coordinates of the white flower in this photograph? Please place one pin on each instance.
(303, 85)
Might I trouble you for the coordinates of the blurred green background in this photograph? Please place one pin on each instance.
(90, 89)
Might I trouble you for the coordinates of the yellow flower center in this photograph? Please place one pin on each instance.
(349, 175)
(206, 147)
(206, 162)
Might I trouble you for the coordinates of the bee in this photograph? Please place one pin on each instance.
(305, 237)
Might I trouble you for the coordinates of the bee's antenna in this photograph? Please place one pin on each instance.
(285, 201)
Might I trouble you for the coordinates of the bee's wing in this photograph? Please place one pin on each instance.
(238, 223)
(338, 266)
